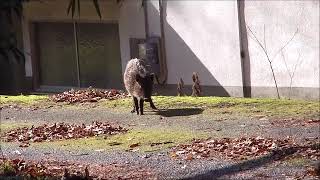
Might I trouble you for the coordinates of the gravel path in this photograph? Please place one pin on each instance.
(160, 162)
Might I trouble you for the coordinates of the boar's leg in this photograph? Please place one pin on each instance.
(152, 105)
(136, 104)
(134, 108)
(141, 106)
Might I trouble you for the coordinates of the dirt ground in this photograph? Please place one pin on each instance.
(188, 122)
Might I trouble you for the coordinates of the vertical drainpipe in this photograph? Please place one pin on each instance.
(163, 64)
(146, 22)
(244, 52)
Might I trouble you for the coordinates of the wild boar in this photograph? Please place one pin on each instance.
(138, 82)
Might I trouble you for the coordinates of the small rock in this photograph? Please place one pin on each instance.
(259, 116)
(263, 119)
(17, 152)
(99, 150)
(146, 156)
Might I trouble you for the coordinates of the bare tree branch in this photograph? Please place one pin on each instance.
(298, 63)
(275, 55)
(259, 43)
(291, 74)
(264, 37)
(291, 78)
(264, 48)
(285, 63)
(269, 60)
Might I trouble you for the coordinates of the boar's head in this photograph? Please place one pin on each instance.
(146, 84)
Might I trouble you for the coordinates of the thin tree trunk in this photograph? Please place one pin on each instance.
(275, 81)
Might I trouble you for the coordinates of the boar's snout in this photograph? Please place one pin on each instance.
(146, 84)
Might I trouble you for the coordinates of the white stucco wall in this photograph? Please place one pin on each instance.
(203, 37)
(281, 19)
(154, 18)
(131, 25)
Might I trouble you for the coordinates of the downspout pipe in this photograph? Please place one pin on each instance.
(163, 60)
(146, 22)
(244, 50)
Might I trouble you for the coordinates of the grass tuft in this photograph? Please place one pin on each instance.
(22, 99)
(7, 126)
(232, 106)
(144, 137)
(226, 106)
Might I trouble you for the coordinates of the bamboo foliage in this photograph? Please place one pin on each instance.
(9, 12)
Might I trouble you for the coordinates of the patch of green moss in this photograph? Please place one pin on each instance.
(144, 138)
(7, 126)
(225, 106)
(297, 161)
(231, 106)
(22, 99)
(6, 168)
(118, 103)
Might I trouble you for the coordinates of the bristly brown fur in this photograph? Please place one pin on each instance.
(138, 82)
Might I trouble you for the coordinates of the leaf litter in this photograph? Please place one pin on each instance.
(241, 148)
(87, 95)
(245, 148)
(294, 122)
(60, 131)
(71, 170)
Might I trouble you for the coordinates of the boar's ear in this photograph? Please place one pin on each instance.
(138, 78)
(152, 76)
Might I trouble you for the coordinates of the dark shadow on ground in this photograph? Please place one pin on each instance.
(179, 112)
(250, 164)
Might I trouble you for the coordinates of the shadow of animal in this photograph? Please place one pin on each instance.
(179, 112)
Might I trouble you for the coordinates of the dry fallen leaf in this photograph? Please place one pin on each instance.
(134, 145)
(189, 156)
(24, 144)
(173, 155)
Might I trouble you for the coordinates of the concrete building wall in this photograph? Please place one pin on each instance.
(203, 37)
(274, 23)
(56, 11)
(129, 16)
(131, 26)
